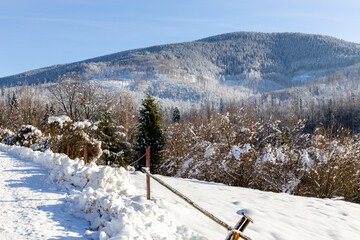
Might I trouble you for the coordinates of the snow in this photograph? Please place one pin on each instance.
(61, 120)
(237, 151)
(209, 151)
(120, 134)
(186, 164)
(112, 200)
(81, 124)
(106, 198)
(276, 215)
(33, 131)
(307, 159)
(31, 207)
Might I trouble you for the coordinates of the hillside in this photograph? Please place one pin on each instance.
(248, 61)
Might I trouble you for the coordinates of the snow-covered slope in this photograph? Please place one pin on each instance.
(113, 201)
(255, 61)
(276, 215)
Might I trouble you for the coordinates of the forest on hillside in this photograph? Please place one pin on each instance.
(258, 61)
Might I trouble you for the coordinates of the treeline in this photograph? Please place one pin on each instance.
(263, 144)
(69, 116)
(82, 121)
(79, 100)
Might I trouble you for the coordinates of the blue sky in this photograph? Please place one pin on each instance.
(40, 33)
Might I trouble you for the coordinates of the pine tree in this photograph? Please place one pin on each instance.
(150, 133)
(12, 100)
(176, 115)
(112, 139)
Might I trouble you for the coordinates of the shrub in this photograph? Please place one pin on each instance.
(42, 144)
(4, 133)
(74, 137)
(27, 135)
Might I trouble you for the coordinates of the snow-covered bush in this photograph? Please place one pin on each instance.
(27, 135)
(42, 144)
(74, 138)
(5, 133)
(71, 138)
(240, 148)
(10, 140)
(57, 124)
(280, 169)
(218, 150)
(335, 171)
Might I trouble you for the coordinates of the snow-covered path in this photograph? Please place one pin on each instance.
(31, 208)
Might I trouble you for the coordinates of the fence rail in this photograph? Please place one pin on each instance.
(234, 231)
(131, 164)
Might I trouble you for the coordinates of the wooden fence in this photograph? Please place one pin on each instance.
(68, 151)
(235, 232)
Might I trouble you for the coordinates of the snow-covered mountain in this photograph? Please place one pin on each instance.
(247, 62)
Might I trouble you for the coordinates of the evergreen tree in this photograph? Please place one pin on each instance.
(12, 100)
(112, 138)
(222, 106)
(176, 115)
(150, 133)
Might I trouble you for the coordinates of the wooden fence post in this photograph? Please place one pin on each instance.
(54, 147)
(85, 153)
(147, 176)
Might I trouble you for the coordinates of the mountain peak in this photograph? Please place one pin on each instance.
(254, 60)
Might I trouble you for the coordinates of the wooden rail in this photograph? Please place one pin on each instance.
(203, 211)
(137, 160)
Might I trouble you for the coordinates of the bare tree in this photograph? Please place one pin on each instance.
(76, 98)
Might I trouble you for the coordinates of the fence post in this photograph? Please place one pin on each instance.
(147, 176)
(85, 153)
(54, 147)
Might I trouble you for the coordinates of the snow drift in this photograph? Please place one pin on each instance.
(107, 199)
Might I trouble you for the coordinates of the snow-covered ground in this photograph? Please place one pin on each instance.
(113, 201)
(276, 215)
(104, 196)
(31, 207)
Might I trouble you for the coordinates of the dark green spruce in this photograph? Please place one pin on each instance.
(112, 140)
(150, 133)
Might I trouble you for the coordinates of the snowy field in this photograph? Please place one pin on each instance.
(276, 215)
(113, 202)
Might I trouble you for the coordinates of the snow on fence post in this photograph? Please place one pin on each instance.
(147, 176)
(85, 153)
(239, 228)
